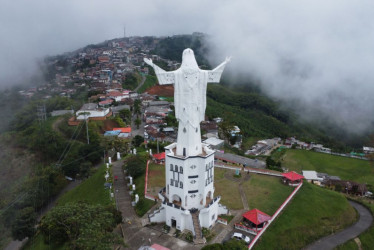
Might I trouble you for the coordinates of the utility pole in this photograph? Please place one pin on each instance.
(88, 137)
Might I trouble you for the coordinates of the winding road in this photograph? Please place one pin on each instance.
(334, 240)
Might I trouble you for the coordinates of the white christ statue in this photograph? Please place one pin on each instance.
(190, 83)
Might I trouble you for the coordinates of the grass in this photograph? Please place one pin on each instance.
(366, 238)
(313, 213)
(344, 167)
(266, 193)
(156, 178)
(91, 190)
(226, 217)
(228, 189)
(144, 204)
(149, 82)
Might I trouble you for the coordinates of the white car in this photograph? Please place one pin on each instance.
(240, 236)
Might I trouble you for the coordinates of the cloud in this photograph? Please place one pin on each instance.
(319, 54)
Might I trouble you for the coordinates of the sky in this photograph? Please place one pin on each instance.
(318, 54)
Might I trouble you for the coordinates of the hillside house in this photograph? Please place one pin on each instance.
(93, 112)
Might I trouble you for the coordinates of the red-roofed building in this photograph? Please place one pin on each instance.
(159, 158)
(123, 130)
(106, 103)
(253, 221)
(292, 178)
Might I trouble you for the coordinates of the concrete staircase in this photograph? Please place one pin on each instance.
(199, 239)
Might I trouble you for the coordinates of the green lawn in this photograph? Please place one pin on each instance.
(366, 238)
(266, 193)
(344, 167)
(156, 178)
(144, 204)
(227, 189)
(91, 190)
(149, 82)
(313, 213)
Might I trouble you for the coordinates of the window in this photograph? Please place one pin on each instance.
(193, 182)
(193, 166)
(171, 167)
(213, 216)
(176, 168)
(176, 184)
(181, 170)
(181, 184)
(171, 182)
(206, 167)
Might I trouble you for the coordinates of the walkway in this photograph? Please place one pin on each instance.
(334, 240)
(141, 83)
(136, 235)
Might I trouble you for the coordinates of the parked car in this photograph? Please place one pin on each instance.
(240, 236)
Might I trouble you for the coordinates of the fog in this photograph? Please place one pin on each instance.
(318, 54)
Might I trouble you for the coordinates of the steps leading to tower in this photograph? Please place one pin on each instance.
(199, 239)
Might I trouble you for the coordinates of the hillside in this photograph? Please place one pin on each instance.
(314, 212)
(346, 168)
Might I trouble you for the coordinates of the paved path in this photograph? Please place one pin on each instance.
(134, 234)
(141, 83)
(332, 241)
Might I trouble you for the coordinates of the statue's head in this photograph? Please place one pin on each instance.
(188, 59)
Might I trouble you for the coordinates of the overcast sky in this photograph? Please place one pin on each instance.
(320, 53)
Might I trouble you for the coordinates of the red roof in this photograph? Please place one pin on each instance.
(159, 156)
(256, 216)
(106, 102)
(123, 130)
(292, 176)
(115, 93)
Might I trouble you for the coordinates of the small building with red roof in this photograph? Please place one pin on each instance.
(159, 158)
(292, 178)
(253, 221)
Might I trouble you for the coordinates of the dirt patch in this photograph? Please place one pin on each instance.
(162, 90)
(109, 125)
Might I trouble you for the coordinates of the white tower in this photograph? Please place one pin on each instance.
(188, 198)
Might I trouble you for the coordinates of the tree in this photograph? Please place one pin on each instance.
(81, 225)
(137, 141)
(137, 108)
(135, 166)
(125, 114)
(224, 129)
(24, 224)
(137, 122)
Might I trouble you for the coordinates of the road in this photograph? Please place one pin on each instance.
(334, 240)
(141, 83)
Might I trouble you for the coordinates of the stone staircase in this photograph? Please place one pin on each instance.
(199, 239)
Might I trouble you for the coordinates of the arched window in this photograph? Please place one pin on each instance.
(176, 168)
(171, 167)
(181, 169)
(181, 184)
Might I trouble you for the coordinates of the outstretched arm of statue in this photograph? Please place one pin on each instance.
(164, 77)
(214, 75)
